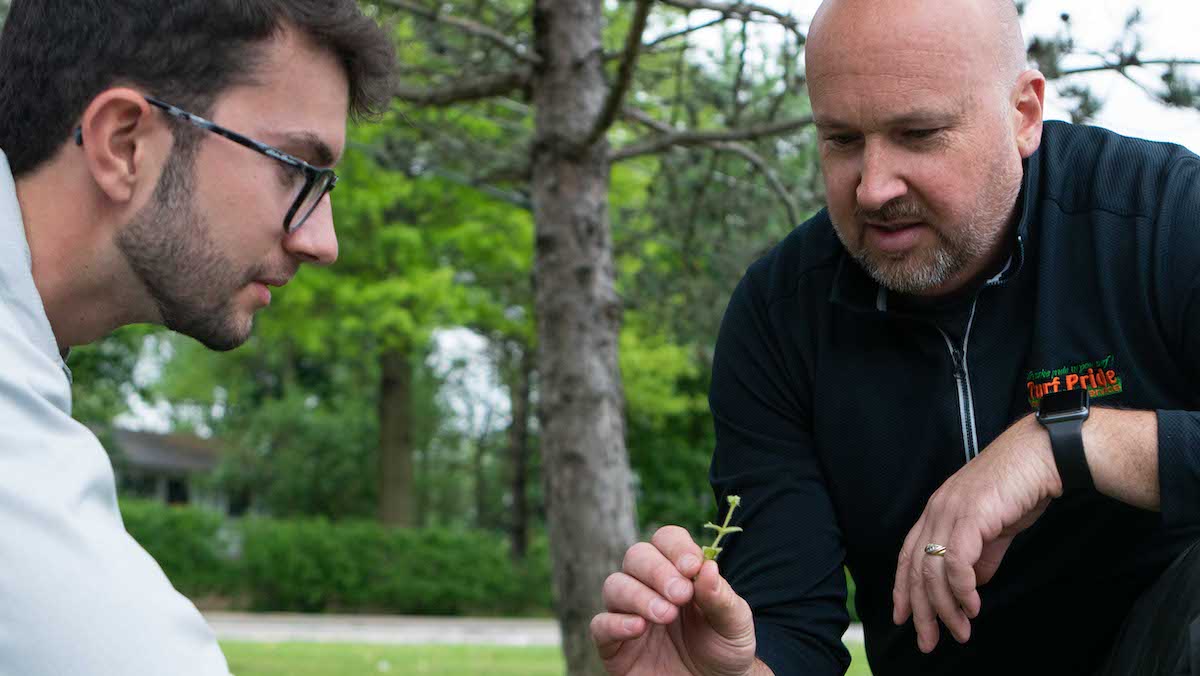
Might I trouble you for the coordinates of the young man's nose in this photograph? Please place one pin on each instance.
(315, 241)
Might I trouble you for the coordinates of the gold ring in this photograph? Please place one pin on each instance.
(935, 550)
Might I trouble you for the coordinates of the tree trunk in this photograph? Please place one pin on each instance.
(518, 448)
(483, 517)
(589, 496)
(396, 439)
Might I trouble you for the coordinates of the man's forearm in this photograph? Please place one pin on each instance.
(1122, 454)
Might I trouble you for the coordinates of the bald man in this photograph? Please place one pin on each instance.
(972, 380)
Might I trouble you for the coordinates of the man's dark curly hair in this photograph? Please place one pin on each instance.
(56, 56)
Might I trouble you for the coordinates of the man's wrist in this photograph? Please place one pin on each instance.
(1039, 439)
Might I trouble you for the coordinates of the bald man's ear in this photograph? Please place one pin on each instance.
(119, 129)
(1029, 97)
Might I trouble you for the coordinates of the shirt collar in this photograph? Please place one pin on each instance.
(17, 289)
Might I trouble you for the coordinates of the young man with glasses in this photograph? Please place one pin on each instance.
(117, 205)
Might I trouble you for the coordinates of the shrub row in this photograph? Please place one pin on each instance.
(315, 565)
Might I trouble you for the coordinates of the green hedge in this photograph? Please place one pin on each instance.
(356, 566)
(316, 565)
(187, 542)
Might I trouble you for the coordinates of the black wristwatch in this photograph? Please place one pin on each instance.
(1062, 414)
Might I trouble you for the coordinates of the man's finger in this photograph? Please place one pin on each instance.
(940, 596)
(650, 566)
(923, 615)
(990, 557)
(904, 563)
(625, 594)
(611, 630)
(727, 613)
(962, 554)
(677, 545)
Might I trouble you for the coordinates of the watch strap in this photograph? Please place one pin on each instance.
(1066, 440)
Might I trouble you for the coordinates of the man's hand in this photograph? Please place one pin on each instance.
(975, 515)
(669, 614)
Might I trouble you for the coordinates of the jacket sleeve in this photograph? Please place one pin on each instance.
(1179, 289)
(787, 563)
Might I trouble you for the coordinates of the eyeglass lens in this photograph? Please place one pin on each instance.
(310, 200)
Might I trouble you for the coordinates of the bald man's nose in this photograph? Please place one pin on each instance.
(315, 241)
(880, 180)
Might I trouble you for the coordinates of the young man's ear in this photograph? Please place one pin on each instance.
(1029, 99)
(118, 129)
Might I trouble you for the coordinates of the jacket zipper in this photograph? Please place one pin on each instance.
(962, 377)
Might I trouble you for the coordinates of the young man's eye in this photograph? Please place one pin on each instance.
(290, 176)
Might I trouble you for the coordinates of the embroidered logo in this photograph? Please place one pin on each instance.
(1100, 377)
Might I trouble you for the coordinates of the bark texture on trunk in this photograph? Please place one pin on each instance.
(518, 448)
(589, 496)
(396, 439)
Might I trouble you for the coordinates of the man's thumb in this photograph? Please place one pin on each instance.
(727, 613)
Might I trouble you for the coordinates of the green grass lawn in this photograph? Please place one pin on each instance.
(340, 659)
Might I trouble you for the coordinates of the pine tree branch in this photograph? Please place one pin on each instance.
(616, 95)
(694, 138)
(469, 27)
(470, 89)
(785, 196)
(742, 9)
(649, 46)
(1130, 63)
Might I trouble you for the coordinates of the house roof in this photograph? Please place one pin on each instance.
(183, 453)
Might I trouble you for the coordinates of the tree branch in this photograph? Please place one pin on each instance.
(1135, 63)
(477, 29)
(642, 117)
(471, 89)
(743, 9)
(680, 33)
(785, 196)
(692, 138)
(633, 47)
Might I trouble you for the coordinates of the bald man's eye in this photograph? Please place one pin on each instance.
(921, 134)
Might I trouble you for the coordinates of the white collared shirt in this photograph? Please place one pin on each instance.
(78, 596)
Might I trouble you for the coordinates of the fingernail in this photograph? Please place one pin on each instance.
(659, 608)
(630, 624)
(688, 562)
(678, 589)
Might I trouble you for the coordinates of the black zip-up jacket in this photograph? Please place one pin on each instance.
(838, 413)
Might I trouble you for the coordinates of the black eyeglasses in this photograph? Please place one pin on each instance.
(317, 182)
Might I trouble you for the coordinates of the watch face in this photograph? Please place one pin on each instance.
(1064, 405)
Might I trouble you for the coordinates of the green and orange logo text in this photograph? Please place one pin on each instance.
(1100, 377)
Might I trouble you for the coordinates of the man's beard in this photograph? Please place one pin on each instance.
(930, 267)
(168, 247)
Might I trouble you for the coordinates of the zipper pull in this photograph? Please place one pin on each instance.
(956, 356)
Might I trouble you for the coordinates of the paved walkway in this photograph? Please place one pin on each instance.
(394, 630)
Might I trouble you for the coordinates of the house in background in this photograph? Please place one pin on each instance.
(170, 468)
